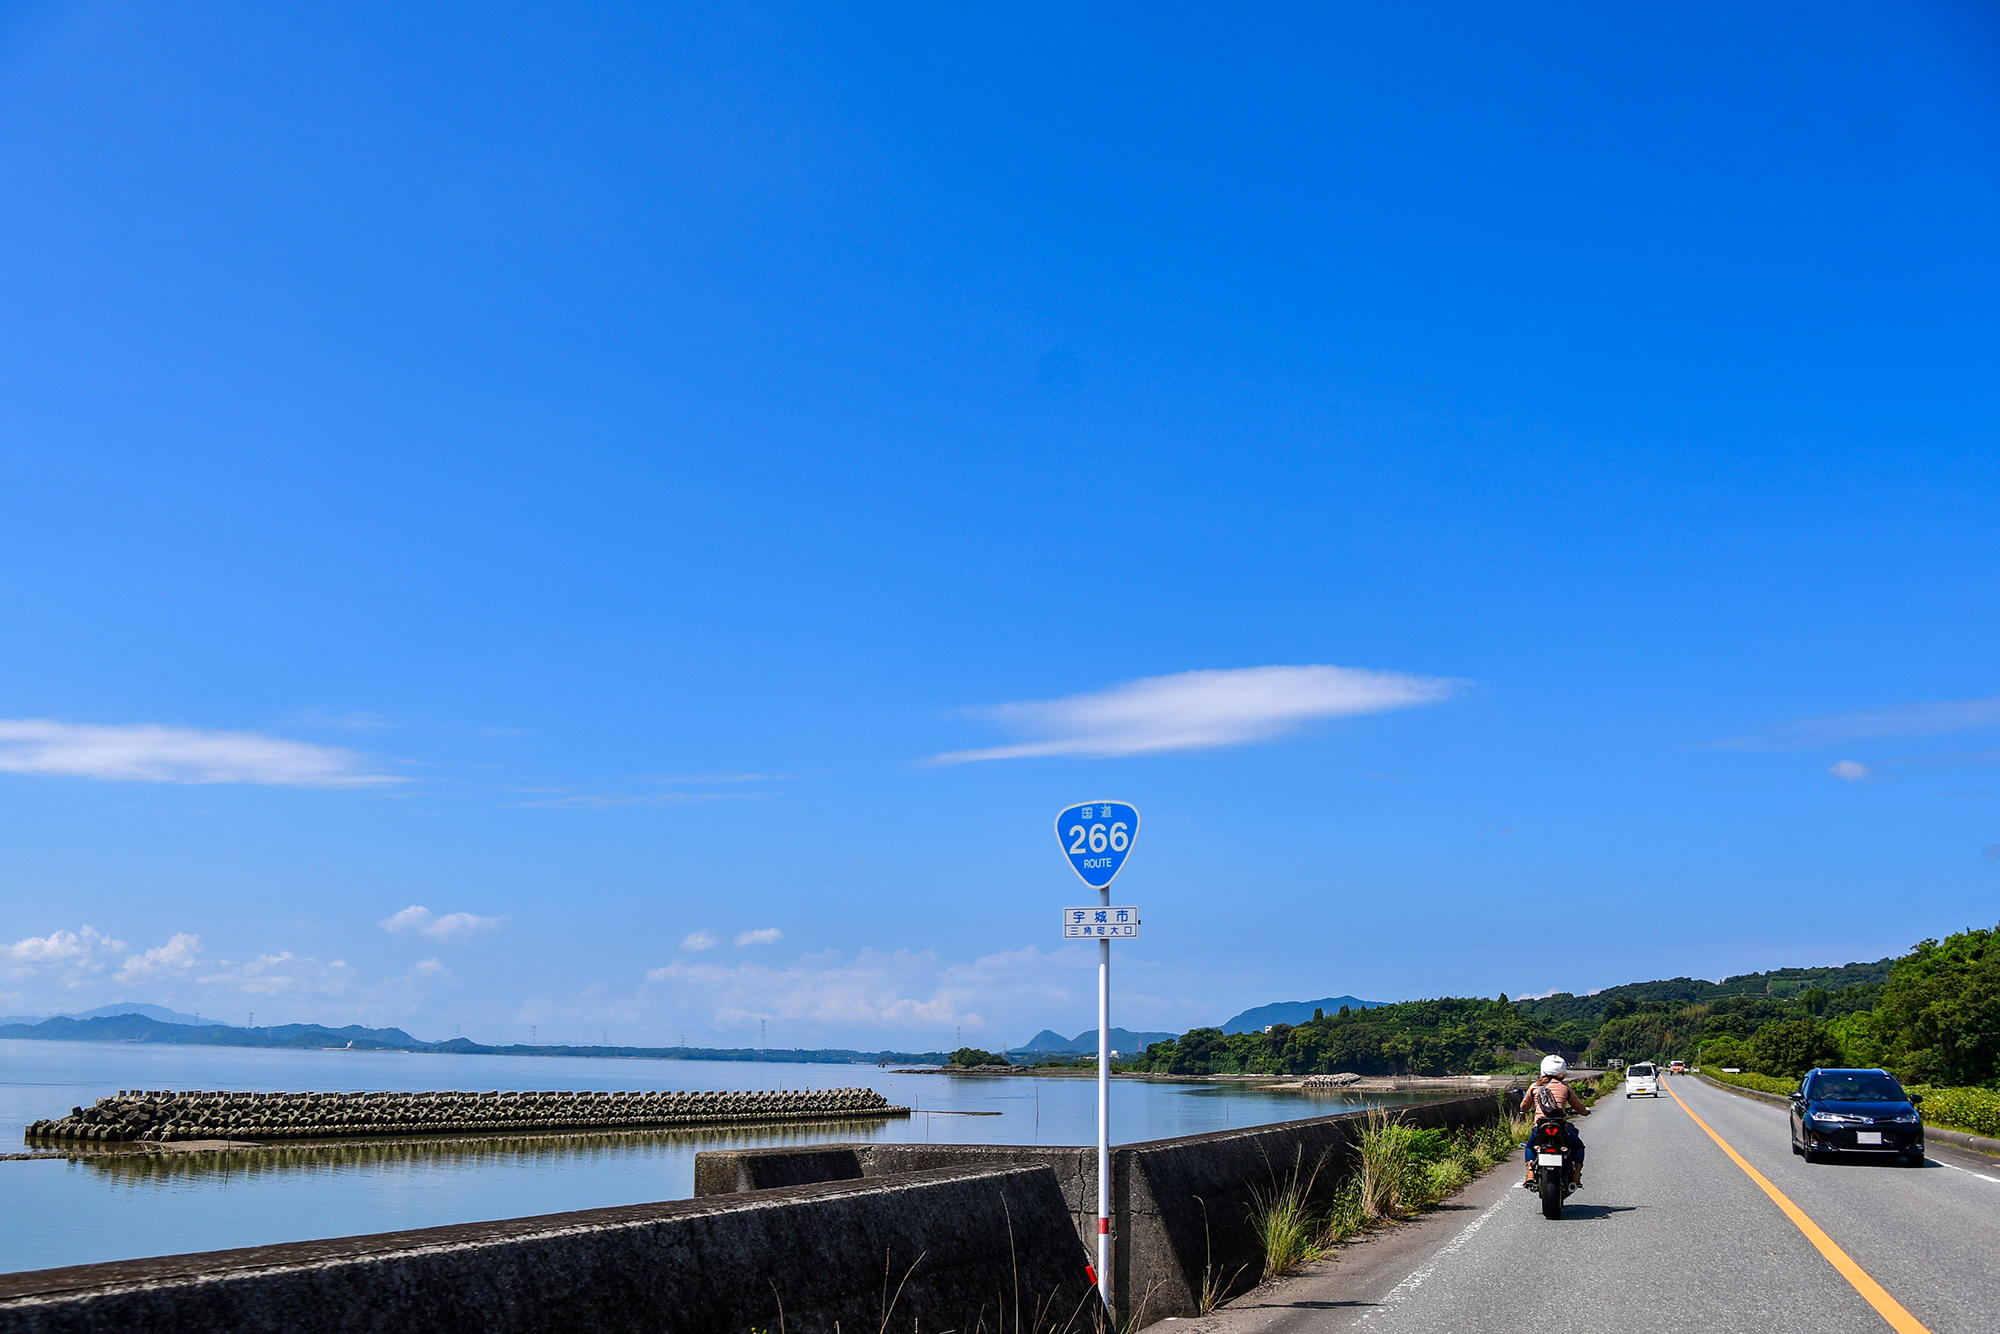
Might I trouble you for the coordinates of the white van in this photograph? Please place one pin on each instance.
(1643, 1078)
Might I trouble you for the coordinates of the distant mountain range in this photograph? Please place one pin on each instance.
(1048, 1042)
(159, 1012)
(129, 1026)
(1293, 1012)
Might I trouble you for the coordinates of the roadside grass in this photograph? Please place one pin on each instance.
(1973, 1110)
(1398, 1171)
(1747, 1080)
(1287, 1227)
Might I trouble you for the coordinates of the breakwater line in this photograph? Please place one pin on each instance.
(165, 1116)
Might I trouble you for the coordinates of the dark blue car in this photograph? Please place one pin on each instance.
(1860, 1112)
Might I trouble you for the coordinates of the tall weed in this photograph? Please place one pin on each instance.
(1287, 1229)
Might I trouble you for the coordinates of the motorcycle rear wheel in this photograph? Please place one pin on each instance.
(1552, 1195)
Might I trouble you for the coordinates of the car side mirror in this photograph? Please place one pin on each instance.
(1799, 1093)
(1916, 1099)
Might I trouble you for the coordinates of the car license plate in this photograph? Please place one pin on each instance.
(1867, 1137)
(1549, 1159)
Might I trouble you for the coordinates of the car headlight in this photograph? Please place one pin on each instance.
(1908, 1119)
(1836, 1118)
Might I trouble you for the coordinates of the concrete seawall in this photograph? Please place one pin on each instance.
(1181, 1206)
(965, 1249)
(965, 1237)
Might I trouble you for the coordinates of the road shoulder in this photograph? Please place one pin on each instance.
(1363, 1271)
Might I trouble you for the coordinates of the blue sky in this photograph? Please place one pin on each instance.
(633, 522)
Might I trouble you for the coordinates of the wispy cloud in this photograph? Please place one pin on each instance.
(899, 991)
(149, 753)
(1932, 719)
(599, 801)
(283, 974)
(763, 935)
(694, 942)
(352, 720)
(723, 778)
(450, 926)
(1197, 710)
(1852, 771)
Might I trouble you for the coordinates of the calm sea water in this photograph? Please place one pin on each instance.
(122, 1207)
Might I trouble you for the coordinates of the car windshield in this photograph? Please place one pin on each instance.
(1642, 1070)
(1857, 1086)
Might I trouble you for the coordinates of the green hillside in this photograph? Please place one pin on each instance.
(1932, 1016)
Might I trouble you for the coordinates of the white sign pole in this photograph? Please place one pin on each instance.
(1104, 1112)
(1095, 836)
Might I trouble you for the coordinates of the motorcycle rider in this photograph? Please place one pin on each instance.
(1551, 1096)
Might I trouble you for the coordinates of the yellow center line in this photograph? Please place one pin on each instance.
(1872, 1292)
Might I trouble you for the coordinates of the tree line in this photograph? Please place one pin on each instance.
(1932, 1016)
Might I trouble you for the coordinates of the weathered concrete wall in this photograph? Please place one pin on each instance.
(728, 1171)
(1183, 1205)
(956, 1248)
(1180, 1207)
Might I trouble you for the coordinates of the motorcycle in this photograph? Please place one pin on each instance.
(1555, 1166)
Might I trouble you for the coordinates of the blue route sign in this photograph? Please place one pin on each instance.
(1097, 836)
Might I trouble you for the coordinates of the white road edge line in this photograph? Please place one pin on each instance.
(1416, 1278)
(1968, 1171)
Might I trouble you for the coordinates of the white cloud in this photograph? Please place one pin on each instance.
(763, 935)
(175, 957)
(281, 974)
(431, 968)
(84, 950)
(696, 941)
(1851, 770)
(874, 990)
(451, 926)
(1930, 719)
(147, 753)
(73, 959)
(1198, 710)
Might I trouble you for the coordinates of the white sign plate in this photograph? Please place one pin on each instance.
(1095, 923)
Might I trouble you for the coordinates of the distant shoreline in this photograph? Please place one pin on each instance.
(138, 1030)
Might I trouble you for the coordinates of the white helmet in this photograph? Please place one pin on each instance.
(1554, 1065)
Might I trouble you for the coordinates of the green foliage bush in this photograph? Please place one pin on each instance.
(1973, 1109)
(1793, 1046)
(1429, 1037)
(974, 1056)
(1939, 1017)
(1750, 1080)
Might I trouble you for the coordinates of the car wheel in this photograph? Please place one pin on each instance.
(1915, 1159)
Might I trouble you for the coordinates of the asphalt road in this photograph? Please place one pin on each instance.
(1669, 1233)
